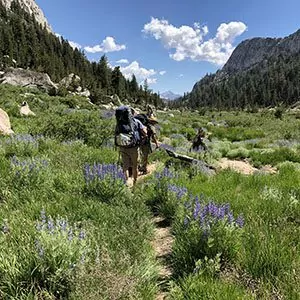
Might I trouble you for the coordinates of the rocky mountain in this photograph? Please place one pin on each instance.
(32, 8)
(260, 72)
(169, 95)
(253, 51)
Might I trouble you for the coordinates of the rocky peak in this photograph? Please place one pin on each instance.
(32, 8)
(256, 50)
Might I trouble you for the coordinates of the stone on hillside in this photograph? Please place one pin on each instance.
(5, 127)
(25, 110)
(85, 93)
(28, 78)
(107, 106)
(71, 81)
(116, 100)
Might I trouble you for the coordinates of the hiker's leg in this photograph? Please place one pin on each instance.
(134, 162)
(125, 161)
(144, 157)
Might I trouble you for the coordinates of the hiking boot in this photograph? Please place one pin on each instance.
(144, 172)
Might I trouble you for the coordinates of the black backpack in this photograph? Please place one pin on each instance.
(143, 118)
(127, 132)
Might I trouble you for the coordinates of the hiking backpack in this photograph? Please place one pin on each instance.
(143, 118)
(127, 131)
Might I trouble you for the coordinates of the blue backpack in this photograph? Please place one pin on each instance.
(127, 130)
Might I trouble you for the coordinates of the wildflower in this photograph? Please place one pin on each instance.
(81, 235)
(240, 221)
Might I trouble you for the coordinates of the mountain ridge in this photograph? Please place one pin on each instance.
(252, 51)
(259, 72)
(169, 95)
(31, 7)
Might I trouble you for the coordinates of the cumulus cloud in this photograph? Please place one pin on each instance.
(189, 43)
(162, 73)
(107, 45)
(72, 44)
(122, 61)
(140, 73)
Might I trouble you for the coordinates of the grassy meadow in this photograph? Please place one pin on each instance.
(70, 228)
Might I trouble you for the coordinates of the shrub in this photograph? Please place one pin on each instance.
(29, 172)
(46, 258)
(197, 286)
(21, 145)
(205, 230)
(104, 182)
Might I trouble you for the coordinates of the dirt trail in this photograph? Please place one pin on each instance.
(151, 169)
(244, 167)
(162, 242)
(163, 238)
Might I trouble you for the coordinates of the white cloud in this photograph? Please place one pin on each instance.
(107, 45)
(123, 61)
(162, 73)
(139, 72)
(74, 45)
(151, 80)
(188, 41)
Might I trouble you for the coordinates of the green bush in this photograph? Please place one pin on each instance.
(45, 259)
(88, 127)
(104, 182)
(194, 287)
(205, 230)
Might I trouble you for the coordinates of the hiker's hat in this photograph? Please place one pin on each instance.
(152, 119)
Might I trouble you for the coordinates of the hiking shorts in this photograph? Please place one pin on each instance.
(129, 157)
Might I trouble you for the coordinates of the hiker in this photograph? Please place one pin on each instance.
(145, 146)
(198, 142)
(128, 134)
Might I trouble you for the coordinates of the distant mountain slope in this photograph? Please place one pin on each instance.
(32, 8)
(256, 50)
(169, 95)
(26, 43)
(260, 72)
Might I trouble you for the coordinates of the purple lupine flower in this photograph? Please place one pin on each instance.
(43, 216)
(240, 221)
(103, 171)
(50, 225)
(39, 248)
(63, 225)
(5, 228)
(186, 221)
(81, 235)
(230, 218)
(196, 209)
(70, 234)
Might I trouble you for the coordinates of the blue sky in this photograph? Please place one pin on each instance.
(173, 43)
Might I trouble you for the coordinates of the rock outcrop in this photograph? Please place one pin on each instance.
(72, 83)
(28, 78)
(253, 51)
(25, 110)
(5, 127)
(32, 8)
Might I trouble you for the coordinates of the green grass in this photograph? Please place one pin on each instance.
(68, 132)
